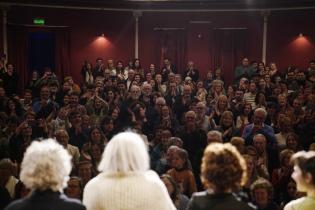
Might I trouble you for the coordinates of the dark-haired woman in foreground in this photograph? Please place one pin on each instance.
(304, 176)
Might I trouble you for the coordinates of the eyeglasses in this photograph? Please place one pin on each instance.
(190, 118)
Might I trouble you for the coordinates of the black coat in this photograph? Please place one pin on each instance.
(226, 201)
(47, 200)
(10, 83)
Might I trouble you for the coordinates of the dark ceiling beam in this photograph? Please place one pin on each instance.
(172, 6)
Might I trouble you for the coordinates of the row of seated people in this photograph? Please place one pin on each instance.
(267, 119)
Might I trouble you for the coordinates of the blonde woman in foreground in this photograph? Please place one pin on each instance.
(125, 182)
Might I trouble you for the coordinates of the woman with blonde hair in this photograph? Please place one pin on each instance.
(223, 171)
(244, 117)
(125, 181)
(217, 88)
(221, 106)
(227, 126)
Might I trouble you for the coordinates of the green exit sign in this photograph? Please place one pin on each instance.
(39, 21)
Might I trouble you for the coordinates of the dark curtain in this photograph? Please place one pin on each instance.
(17, 53)
(229, 47)
(41, 51)
(171, 44)
(62, 52)
(18, 50)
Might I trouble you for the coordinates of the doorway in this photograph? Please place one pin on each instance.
(41, 48)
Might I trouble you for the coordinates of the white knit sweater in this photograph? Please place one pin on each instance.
(136, 191)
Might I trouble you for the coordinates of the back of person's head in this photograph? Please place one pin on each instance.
(214, 136)
(46, 166)
(176, 141)
(239, 143)
(126, 152)
(223, 168)
(312, 147)
(7, 165)
(306, 162)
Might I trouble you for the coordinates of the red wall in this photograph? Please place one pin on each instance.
(284, 45)
(118, 28)
(1, 34)
(199, 48)
(85, 29)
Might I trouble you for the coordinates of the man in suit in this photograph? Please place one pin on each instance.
(45, 170)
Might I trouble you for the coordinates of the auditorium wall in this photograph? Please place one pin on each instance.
(1, 34)
(285, 46)
(86, 26)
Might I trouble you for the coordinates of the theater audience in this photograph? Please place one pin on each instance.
(169, 108)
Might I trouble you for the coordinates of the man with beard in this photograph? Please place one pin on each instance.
(125, 117)
(182, 103)
(194, 141)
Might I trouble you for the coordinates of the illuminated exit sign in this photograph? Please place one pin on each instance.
(39, 21)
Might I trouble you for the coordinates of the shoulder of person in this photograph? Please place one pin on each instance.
(67, 204)
(289, 205)
(151, 175)
(75, 203)
(294, 203)
(152, 179)
(73, 148)
(94, 182)
(15, 205)
(199, 194)
(251, 206)
(245, 205)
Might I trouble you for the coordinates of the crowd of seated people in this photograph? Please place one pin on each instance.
(267, 114)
